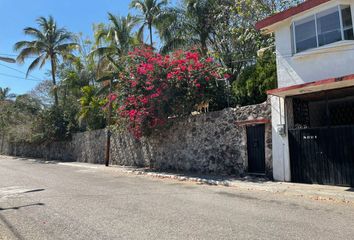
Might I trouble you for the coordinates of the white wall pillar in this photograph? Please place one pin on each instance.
(281, 156)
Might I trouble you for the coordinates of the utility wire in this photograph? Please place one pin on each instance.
(12, 55)
(17, 77)
(19, 71)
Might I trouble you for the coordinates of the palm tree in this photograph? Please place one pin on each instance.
(192, 26)
(151, 13)
(117, 38)
(49, 44)
(5, 94)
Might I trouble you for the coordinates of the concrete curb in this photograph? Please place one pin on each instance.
(314, 192)
(299, 190)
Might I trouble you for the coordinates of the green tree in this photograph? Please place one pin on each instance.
(255, 80)
(49, 44)
(151, 14)
(116, 39)
(5, 94)
(192, 25)
(91, 113)
(6, 109)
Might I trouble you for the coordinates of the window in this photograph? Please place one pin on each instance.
(323, 28)
(328, 27)
(305, 34)
(347, 23)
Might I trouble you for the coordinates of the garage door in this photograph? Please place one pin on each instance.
(322, 155)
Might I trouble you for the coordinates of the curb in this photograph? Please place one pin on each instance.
(181, 178)
(290, 189)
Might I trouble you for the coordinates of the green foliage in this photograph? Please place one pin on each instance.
(255, 80)
(17, 116)
(191, 24)
(82, 85)
(152, 12)
(91, 114)
(5, 94)
(48, 44)
(50, 125)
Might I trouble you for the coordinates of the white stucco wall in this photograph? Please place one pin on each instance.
(329, 61)
(334, 60)
(281, 156)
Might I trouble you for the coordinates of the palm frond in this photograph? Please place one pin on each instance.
(34, 32)
(23, 44)
(27, 52)
(33, 65)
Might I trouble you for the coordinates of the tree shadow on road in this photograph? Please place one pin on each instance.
(23, 206)
(35, 190)
(12, 229)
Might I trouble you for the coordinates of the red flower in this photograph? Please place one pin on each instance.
(144, 100)
(183, 68)
(209, 60)
(169, 75)
(142, 71)
(112, 97)
(133, 84)
(227, 76)
(192, 56)
(150, 88)
(144, 107)
(132, 114)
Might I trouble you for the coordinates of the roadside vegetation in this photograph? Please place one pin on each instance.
(140, 71)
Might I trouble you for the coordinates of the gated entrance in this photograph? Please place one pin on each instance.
(322, 155)
(321, 140)
(256, 148)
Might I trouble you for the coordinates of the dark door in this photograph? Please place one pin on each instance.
(255, 148)
(322, 155)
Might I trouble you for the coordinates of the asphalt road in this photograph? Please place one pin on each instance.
(50, 201)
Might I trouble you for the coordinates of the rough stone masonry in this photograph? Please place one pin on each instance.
(211, 143)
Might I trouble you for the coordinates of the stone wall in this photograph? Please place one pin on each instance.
(49, 151)
(4, 145)
(212, 143)
(209, 143)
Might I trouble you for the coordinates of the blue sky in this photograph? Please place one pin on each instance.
(75, 15)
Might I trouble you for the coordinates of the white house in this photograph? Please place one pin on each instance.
(313, 106)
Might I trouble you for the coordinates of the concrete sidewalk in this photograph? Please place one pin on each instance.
(314, 192)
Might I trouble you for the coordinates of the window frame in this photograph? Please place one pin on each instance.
(293, 29)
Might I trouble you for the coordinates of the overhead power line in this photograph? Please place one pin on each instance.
(12, 55)
(14, 69)
(18, 77)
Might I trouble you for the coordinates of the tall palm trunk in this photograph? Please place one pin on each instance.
(55, 90)
(204, 49)
(109, 117)
(150, 29)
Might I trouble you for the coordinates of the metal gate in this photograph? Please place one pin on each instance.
(322, 155)
(256, 148)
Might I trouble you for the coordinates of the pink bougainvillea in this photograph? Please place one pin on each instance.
(156, 87)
